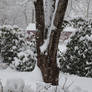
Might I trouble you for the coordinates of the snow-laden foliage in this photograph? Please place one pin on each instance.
(15, 50)
(10, 42)
(78, 56)
(27, 57)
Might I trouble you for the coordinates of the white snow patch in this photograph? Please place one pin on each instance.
(31, 26)
(52, 27)
(86, 37)
(62, 47)
(75, 83)
(44, 46)
(69, 29)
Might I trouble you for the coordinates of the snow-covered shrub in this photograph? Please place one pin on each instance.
(78, 56)
(10, 42)
(15, 50)
(27, 57)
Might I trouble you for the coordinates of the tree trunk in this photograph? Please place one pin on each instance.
(47, 61)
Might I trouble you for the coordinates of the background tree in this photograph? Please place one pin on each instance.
(16, 12)
(19, 12)
(49, 18)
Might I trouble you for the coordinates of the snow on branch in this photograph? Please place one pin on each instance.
(52, 22)
(52, 27)
(48, 12)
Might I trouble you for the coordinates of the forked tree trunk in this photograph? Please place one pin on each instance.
(47, 61)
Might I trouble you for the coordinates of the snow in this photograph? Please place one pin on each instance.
(44, 46)
(3, 66)
(28, 77)
(76, 83)
(31, 26)
(52, 27)
(48, 11)
(15, 80)
(62, 47)
(86, 37)
(69, 29)
(7, 27)
(1, 86)
(14, 85)
(52, 22)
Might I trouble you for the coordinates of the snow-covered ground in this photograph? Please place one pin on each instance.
(28, 77)
(82, 84)
(75, 83)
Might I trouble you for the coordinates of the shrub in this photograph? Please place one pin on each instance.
(78, 57)
(15, 50)
(27, 57)
(10, 43)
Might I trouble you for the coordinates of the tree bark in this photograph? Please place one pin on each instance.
(47, 61)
